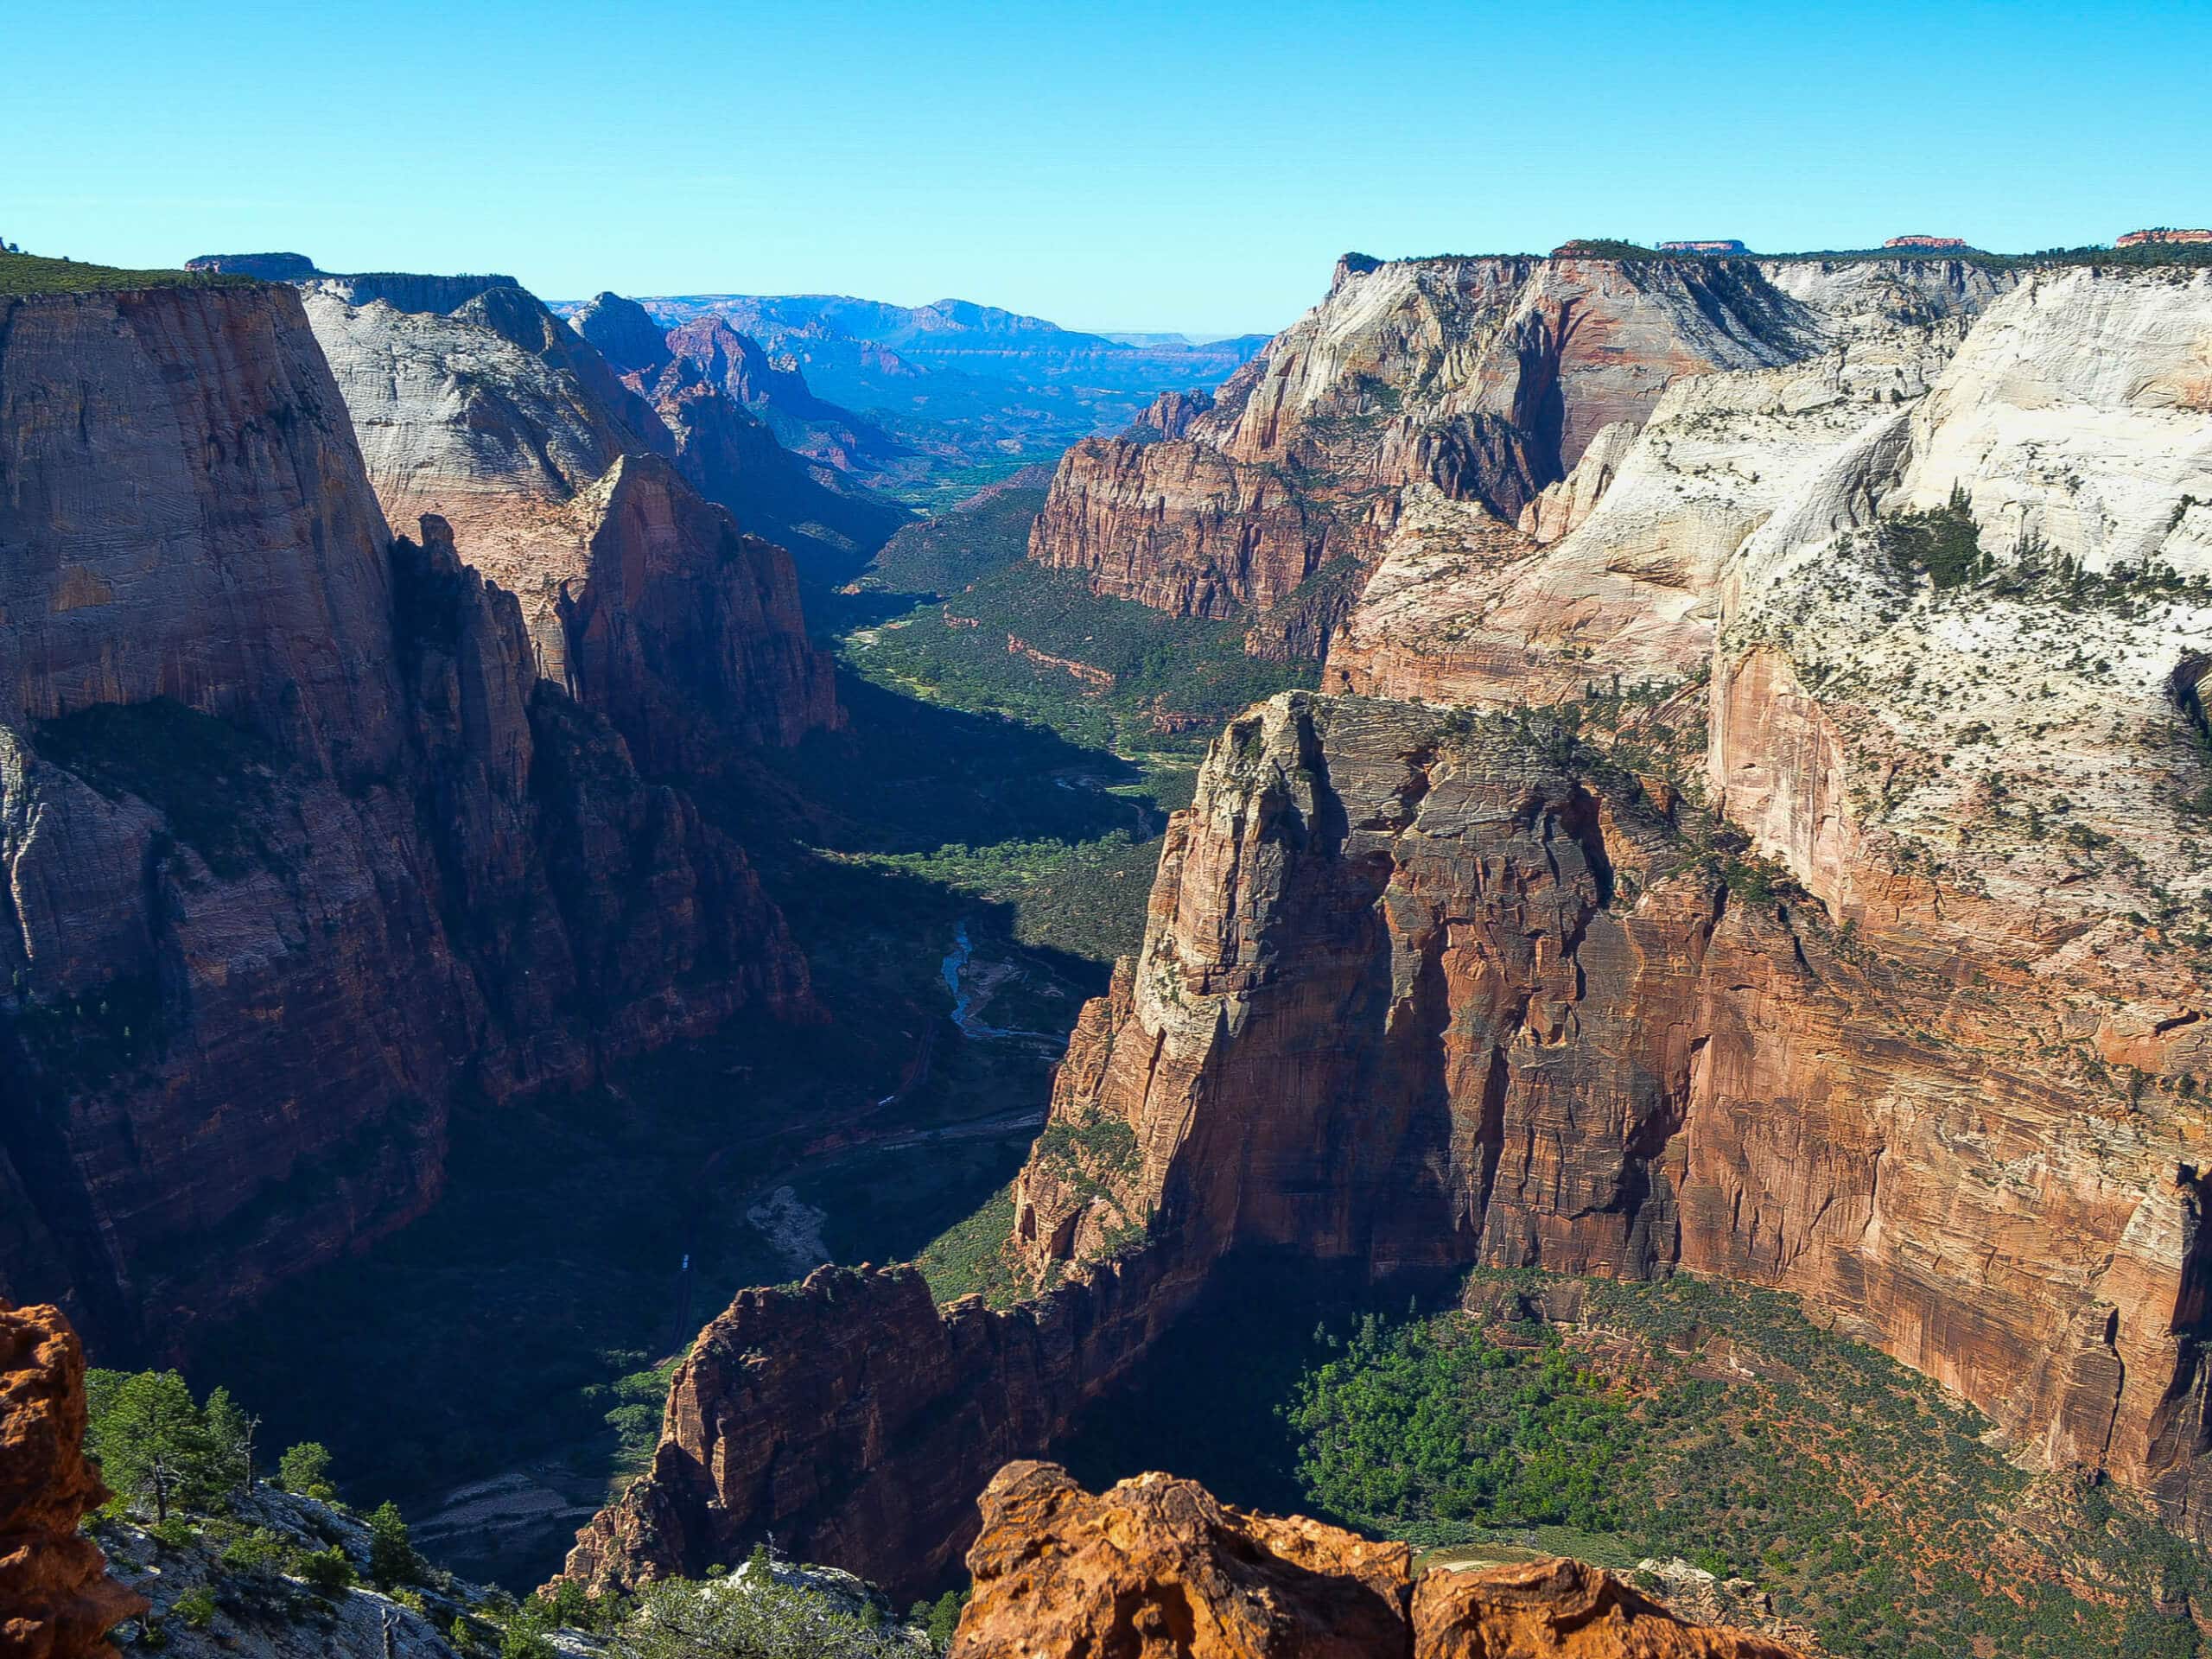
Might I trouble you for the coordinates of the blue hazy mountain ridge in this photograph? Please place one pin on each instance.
(961, 381)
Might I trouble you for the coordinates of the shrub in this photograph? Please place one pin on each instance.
(196, 1607)
(327, 1572)
(259, 1551)
(393, 1560)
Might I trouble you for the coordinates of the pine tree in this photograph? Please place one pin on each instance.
(392, 1561)
(231, 1430)
(152, 1438)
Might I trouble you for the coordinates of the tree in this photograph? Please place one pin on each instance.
(231, 1430)
(305, 1469)
(393, 1560)
(150, 1438)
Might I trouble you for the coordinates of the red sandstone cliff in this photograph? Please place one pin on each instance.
(297, 841)
(56, 1599)
(856, 1419)
(1517, 1023)
(1158, 1568)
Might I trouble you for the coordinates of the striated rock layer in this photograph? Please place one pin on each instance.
(1486, 379)
(297, 842)
(56, 1598)
(1158, 1568)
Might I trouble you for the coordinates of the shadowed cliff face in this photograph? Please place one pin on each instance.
(1487, 380)
(297, 842)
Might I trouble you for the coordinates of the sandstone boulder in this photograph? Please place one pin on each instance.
(1158, 1568)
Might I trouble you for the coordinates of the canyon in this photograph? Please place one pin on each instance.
(1753, 837)
(1748, 827)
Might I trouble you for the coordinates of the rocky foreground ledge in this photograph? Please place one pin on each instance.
(1158, 1568)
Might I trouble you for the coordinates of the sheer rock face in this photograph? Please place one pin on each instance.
(856, 1419)
(642, 601)
(1485, 380)
(1157, 1568)
(295, 840)
(56, 1598)
(188, 584)
(1410, 996)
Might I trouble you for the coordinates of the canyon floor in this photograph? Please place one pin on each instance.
(961, 880)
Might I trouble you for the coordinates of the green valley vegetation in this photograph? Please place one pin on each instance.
(1037, 644)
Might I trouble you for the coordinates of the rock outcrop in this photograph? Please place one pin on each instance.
(2159, 236)
(297, 840)
(56, 1598)
(1484, 379)
(856, 1419)
(1157, 1568)
(643, 601)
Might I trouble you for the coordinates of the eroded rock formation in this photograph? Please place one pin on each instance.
(795, 1404)
(643, 601)
(1486, 379)
(1157, 1568)
(728, 409)
(56, 1598)
(297, 840)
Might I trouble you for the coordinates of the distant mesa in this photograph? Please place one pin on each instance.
(2161, 233)
(268, 267)
(1931, 244)
(1722, 245)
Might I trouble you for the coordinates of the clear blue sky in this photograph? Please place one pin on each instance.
(1132, 165)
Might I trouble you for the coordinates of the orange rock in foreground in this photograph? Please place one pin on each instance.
(1535, 1610)
(56, 1601)
(1158, 1568)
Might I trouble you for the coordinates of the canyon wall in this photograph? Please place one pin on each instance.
(298, 842)
(1415, 995)
(1836, 921)
(1485, 380)
(733, 412)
